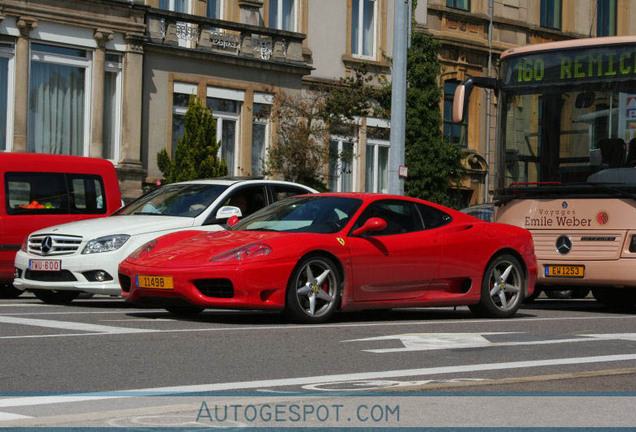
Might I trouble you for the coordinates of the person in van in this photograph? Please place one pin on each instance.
(41, 190)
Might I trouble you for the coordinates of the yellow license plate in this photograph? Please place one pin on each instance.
(565, 271)
(155, 282)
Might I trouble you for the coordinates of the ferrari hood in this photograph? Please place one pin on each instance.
(128, 224)
(196, 248)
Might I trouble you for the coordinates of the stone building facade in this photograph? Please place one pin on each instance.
(474, 33)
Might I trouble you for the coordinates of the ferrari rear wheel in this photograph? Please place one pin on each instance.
(502, 288)
(313, 290)
(56, 297)
(184, 311)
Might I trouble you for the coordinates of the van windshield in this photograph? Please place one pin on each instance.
(186, 200)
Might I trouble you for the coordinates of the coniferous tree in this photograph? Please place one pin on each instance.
(434, 163)
(195, 156)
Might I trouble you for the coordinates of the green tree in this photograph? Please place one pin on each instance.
(305, 120)
(195, 156)
(434, 163)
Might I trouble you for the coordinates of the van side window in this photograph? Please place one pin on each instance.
(54, 193)
(87, 194)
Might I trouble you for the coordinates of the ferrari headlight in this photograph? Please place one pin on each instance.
(244, 252)
(105, 244)
(143, 249)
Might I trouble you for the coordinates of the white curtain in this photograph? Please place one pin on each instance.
(56, 109)
(355, 26)
(214, 9)
(228, 140)
(258, 147)
(369, 28)
(288, 15)
(110, 114)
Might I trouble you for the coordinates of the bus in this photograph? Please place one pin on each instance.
(566, 160)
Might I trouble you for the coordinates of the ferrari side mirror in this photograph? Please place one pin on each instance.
(371, 225)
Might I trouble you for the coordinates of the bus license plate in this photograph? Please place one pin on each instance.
(566, 271)
(155, 282)
(45, 265)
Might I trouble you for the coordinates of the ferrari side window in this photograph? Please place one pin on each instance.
(432, 217)
(401, 217)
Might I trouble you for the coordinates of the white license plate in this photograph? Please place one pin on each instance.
(45, 265)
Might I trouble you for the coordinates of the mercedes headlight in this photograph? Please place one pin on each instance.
(105, 244)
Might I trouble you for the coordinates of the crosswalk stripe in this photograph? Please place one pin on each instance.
(69, 325)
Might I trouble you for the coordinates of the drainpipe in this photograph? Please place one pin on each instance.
(488, 104)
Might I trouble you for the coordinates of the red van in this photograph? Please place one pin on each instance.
(40, 190)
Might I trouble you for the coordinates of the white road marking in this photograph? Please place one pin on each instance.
(301, 381)
(68, 325)
(126, 330)
(438, 341)
(432, 341)
(10, 416)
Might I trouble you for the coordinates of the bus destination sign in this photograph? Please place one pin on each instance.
(555, 67)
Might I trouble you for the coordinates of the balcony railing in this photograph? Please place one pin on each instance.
(224, 37)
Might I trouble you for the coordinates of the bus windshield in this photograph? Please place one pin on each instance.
(568, 121)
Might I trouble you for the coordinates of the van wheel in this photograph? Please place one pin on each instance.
(56, 297)
(9, 291)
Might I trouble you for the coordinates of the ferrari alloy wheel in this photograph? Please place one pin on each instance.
(56, 297)
(312, 293)
(502, 288)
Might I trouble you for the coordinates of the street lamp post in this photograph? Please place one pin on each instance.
(401, 27)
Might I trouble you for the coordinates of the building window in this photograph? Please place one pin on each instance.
(6, 95)
(377, 160)
(214, 9)
(340, 164)
(363, 25)
(458, 4)
(456, 133)
(226, 108)
(112, 107)
(180, 98)
(282, 14)
(606, 17)
(175, 5)
(261, 114)
(59, 100)
(551, 14)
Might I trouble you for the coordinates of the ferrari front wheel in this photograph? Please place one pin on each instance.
(313, 290)
(502, 288)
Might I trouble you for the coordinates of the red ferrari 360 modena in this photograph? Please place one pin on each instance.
(312, 255)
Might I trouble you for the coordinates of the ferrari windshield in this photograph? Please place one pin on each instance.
(187, 200)
(565, 116)
(307, 214)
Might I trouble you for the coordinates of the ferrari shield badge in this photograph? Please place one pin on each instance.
(341, 241)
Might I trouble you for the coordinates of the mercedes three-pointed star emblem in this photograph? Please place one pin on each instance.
(564, 245)
(47, 245)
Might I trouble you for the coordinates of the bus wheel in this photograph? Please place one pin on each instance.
(615, 298)
(580, 293)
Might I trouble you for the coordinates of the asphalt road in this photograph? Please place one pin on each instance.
(100, 362)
